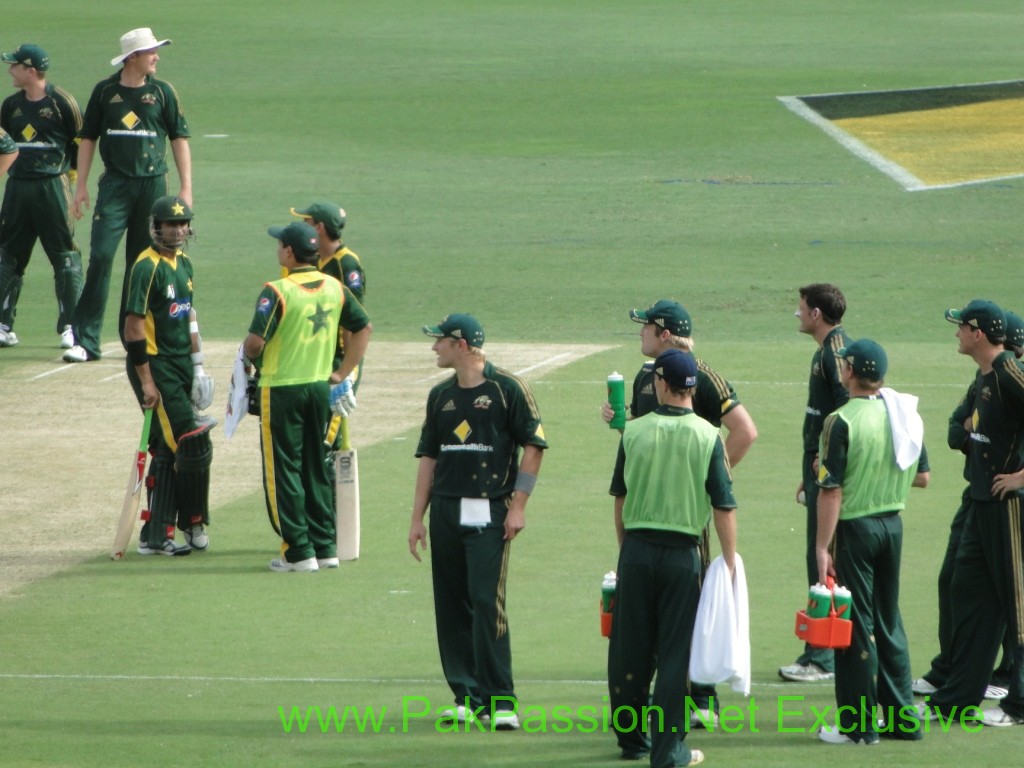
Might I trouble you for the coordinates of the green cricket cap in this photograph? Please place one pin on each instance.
(298, 236)
(866, 357)
(323, 213)
(984, 315)
(458, 326)
(1014, 329)
(665, 314)
(30, 55)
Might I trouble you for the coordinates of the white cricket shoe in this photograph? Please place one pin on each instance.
(996, 692)
(505, 720)
(168, 548)
(77, 354)
(460, 714)
(8, 338)
(67, 338)
(804, 673)
(922, 687)
(280, 565)
(328, 562)
(997, 718)
(197, 538)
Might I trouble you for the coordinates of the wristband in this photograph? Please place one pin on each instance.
(525, 482)
(137, 352)
(197, 358)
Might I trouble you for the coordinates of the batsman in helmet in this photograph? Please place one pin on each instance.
(165, 368)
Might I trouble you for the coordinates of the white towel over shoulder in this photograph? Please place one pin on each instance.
(721, 636)
(906, 424)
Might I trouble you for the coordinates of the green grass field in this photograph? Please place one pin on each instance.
(546, 166)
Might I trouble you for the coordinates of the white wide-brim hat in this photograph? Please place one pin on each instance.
(141, 39)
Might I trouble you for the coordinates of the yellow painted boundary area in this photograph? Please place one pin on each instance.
(955, 145)
(927, 138)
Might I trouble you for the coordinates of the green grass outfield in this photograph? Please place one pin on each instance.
(546, 166)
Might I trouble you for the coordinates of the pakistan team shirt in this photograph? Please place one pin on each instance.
(161, 291)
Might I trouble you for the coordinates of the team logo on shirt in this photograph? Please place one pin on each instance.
(449, 406)
(148, 99)
(46, 113)
(463, 431)
(130, 121)
(353, 279)
(483, 402)
(263, 306)
(170, 292)
(816, 369)
(986, 394)
(28, 133)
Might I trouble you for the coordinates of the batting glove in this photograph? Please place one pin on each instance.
(343, 399)
(202, 385)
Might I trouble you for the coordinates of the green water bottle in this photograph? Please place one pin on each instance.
(819, 601)
(617, 400)
(844, 602)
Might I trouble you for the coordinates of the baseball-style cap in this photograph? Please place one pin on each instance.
(323, 213)
(676, 367)
(665, 314)
(458, 326)
(299, 236)
(1014, 329)
(30, 55)
(171, 208)
(141, 39)
(983, 315)
(867, 359)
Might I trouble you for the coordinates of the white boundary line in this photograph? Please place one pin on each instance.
(893, 170)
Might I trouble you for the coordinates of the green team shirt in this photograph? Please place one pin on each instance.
(344, 265)
(7, 145)
(301, 317)
(957, 436)
(825, 390)
(475, 434)
(133, 125)
(712, 399)
(857, 455)
(675, 463)
(45, 132)
(160, 290)
(997, 426)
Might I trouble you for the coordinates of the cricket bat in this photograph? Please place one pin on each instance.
(136, 479)
(346, 487)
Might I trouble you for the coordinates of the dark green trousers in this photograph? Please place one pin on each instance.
(875, 669)
(655, 609)
(295, 480)
(173, 418)
(123, 205)
(37, 209)
(987, 594)
(469, 567)
(820, 657)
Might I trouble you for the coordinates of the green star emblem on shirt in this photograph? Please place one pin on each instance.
(320, 318)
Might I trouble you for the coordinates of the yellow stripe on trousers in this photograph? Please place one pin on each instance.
(268, 458)
(1013, 512)
(499, 603)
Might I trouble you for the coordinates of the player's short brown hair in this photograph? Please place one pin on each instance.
(826, 298)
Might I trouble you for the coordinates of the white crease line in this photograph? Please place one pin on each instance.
(44, 374)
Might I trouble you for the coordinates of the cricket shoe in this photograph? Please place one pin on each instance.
(703, 718)
(168, 548)
(67, 338)
(197, 538)
(459, 714)
(805, 673)
(696, 757)
(280, 565)
(922, 687)
(505, 720)
(8, 338)
(995, 692)
(997, 718)
(77, 354)
(832, 735)
(328, 562)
